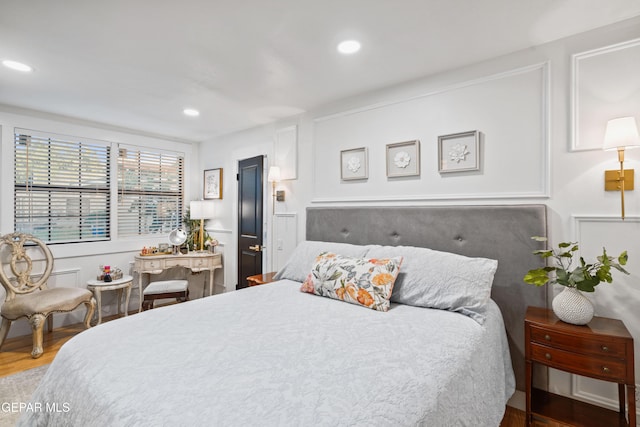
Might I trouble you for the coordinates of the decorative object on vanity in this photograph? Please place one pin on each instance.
(354, 164)
(212, 186)
(211, 244)
(571, 305)
(199, 209)
(459, 152)
(177, 238)
(161, 249)
(403, 159)
(620, 134)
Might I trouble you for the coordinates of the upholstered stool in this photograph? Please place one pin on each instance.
(177, 289)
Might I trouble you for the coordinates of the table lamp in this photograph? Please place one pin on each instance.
(201, 209)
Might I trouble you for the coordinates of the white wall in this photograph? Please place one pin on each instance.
(75, 264)
(522, 103)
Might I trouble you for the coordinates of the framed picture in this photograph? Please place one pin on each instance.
(459, 152)
(403, 159)
(354, 164)
(213, 184)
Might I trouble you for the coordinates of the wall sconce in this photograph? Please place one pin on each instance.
(621, 133)
(201, 209)
(273, 177)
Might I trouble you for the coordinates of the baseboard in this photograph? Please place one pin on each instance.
(518, 400)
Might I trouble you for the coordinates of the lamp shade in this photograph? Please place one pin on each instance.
(274, 174)
(201, 209)
(621, 133)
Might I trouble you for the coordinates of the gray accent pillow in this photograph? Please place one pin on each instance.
(443, 280)
(299, 264)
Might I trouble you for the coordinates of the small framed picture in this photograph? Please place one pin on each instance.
(403, 159)
(459, 152)
(354, 164)
(213, 184)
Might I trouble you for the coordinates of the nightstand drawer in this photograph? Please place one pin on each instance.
(596, 367)
(609, 346)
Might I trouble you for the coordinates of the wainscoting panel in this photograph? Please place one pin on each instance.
(509, 109)
(619, 299)
(285, 232)
(605, 84)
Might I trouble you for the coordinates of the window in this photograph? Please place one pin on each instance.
(62, 187)
(150, 191)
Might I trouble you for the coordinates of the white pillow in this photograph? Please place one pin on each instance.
(304, 255)
(443, 280)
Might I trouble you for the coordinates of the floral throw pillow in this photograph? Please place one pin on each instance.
(361, 281)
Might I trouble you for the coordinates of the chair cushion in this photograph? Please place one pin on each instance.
(166, 286)
(45, 302)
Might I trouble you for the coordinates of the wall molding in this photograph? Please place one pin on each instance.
(575, 76)
(219, 230)
(544, 66)
(577, 382)
(539, 190)
(579, 220)
(429, 197)
(69, 271)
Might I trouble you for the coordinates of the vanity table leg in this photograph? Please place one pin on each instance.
(211, 282)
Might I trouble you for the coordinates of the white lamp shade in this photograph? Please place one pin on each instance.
(201, 209)
(621, 133)
(274, 174)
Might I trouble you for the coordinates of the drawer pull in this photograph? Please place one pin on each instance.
(606, 370)
(605, 348)
(547, 337)
(548, 356)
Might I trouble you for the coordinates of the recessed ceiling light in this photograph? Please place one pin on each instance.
(348, 47)
(18, 66)
(191, 112)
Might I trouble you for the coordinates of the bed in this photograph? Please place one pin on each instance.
(272, 355)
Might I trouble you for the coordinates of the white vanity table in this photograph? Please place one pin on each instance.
(195, 261)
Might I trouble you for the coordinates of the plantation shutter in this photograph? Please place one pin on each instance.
(150, 191)
(61, 187)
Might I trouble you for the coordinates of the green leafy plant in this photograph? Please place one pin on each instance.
(584, 277)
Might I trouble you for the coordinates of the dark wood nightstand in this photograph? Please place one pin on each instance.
(261, 279)
(602, 349)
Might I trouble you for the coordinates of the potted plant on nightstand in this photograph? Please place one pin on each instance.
(571, 305)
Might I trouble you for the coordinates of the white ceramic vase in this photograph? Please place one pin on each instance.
(572, 307)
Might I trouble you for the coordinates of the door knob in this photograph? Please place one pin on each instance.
(256, 248)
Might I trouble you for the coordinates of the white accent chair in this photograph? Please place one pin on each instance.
(27, 294)
(178, 289)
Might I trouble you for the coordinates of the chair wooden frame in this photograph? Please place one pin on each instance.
(21, 288)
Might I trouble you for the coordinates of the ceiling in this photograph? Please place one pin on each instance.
(241, 63)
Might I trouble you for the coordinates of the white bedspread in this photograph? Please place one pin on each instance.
(271, 355)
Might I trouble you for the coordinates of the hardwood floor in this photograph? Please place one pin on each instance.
(15, 357)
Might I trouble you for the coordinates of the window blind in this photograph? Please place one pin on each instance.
(150, 191)
(62, 187)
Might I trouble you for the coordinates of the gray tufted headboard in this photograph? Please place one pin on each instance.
(497, 232)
